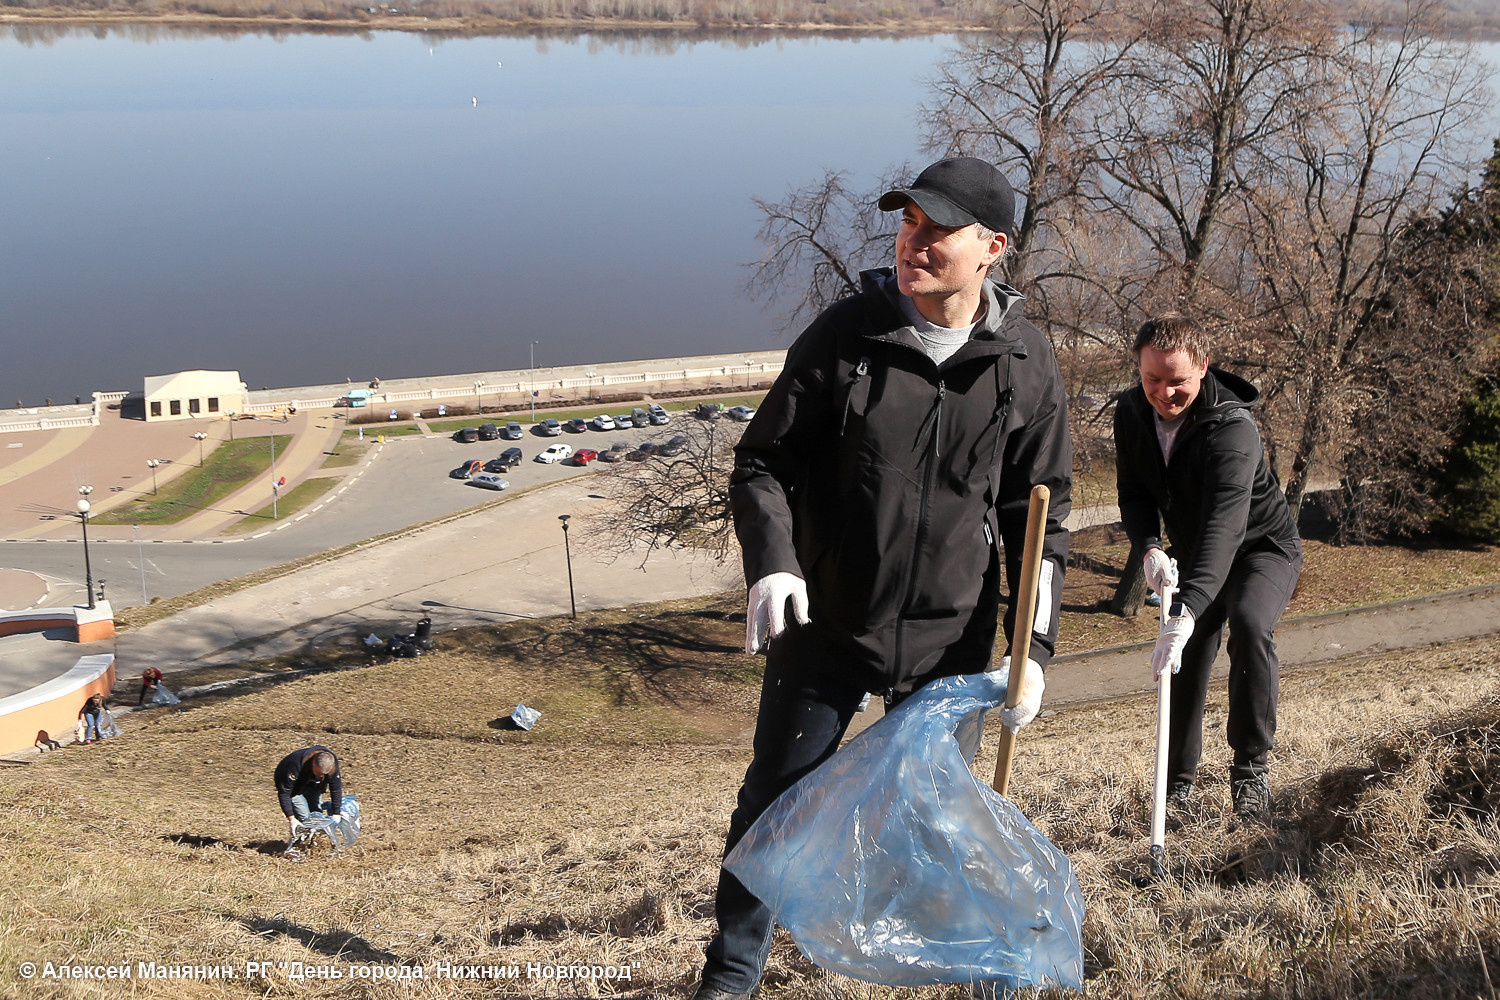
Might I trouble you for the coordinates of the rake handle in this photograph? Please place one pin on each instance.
(1031, 569)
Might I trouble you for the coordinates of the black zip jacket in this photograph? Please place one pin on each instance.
(292, 778)
(1216, 496)
(888, 484)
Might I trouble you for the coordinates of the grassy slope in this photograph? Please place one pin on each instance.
(595, 838)
(231, 465)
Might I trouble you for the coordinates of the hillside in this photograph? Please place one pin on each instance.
(594, 840)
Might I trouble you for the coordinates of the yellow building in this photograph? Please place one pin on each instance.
(186, 395)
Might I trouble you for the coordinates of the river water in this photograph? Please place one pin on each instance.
(314, 207)
(308, 208)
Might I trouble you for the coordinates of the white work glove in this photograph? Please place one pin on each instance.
(1160, 571)
(1175, 632)
(292, 824)
(765, 617)
(336, 817)
(1032, 685)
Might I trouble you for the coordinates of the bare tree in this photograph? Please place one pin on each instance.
(817, 239)
(1326, 242)
(678, 501)
(1019, 97)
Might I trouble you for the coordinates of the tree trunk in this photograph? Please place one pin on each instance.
(1130, 595)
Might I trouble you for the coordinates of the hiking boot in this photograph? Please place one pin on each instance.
(1252, 797)
(1178, 794)
(715, 993)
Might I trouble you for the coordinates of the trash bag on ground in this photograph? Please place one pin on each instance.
(321, 827)
(164, 697)
(524, 717)
(892, 863)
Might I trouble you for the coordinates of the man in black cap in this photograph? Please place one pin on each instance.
(872, 492)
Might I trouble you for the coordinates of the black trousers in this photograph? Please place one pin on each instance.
(1257, 591)
(803, 715)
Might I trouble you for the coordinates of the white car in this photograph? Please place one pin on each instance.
(603, 422)
(489, 481)
(555, 453)
(740, 412)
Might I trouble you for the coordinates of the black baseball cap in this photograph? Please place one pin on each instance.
(958, 191)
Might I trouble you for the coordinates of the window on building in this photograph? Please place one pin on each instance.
(176, 407)
(156, 407)
(213, 404)
(195, 406)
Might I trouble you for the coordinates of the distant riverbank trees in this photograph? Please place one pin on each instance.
(1467, 18)
(1260, 163)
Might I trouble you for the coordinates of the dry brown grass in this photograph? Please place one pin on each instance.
(595, 839)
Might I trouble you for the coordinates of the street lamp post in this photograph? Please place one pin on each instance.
(533, 379)
(83, 521)
(478, 398)
(568, 551)
(275, 487)
(231, 424)
(140, 557)
(152, 463)
(199, 438)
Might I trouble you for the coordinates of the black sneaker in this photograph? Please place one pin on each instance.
(715, 993)
(1178, 793)
(1252, 797)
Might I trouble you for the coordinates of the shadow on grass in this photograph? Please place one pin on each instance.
(333, 943)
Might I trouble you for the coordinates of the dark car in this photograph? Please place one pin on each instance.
(512, 431)
(468, 469)
(615, 453)
(511, 457)
(577, 425)
(466, 435)
(583, 456)
(673, 445)
(488, 432)
(707, 411)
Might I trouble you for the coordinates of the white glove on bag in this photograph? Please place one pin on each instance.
(1032, 685)
(292, 825)
(1175, 632)
(765, 618)
(1160, 570)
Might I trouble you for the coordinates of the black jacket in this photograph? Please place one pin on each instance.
(294, 778)
(1217, 496)
(888, 484)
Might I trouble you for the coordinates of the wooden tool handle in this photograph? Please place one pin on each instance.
(1031, 571)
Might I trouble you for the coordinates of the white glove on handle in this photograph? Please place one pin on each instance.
(765, 618)
(1175, 632)
(292, 823)
(1160, 570)
(1032, 685)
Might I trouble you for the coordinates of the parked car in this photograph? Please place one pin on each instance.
(707, 411)
(615, 453)
(624, 421)
(647, 448)
(740, 412)
(549, 428)
(640, 417)
(512, 432)
(510, 458)
(554, 453)
(469, 468)
(466, 435)
(583, 456)
(603, 422)
(488, 432)
(489, 481)
(659, 415)
(577, 425)
(673, 445)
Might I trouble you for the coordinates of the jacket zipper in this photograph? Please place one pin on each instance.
(860, 371)
(920, 534)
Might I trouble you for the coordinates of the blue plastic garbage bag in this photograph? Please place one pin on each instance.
(893, 864)
(341, 832)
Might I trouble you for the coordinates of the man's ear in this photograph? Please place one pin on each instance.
(996, 250)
